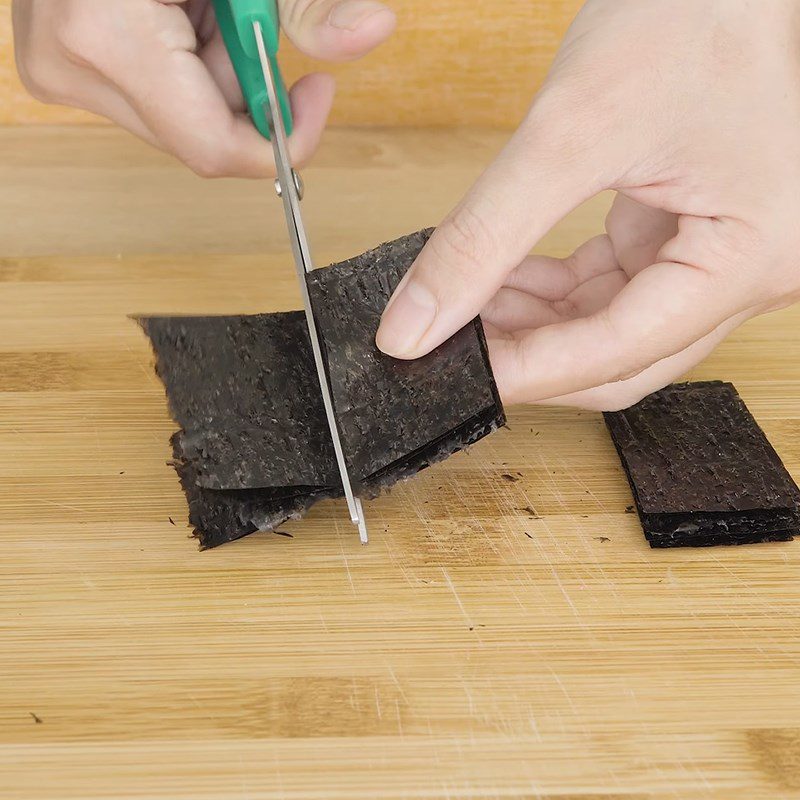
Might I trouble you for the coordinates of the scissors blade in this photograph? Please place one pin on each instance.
(289, 184)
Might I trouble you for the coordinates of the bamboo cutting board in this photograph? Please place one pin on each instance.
(496, 639)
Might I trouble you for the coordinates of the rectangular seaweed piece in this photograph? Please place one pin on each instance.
(254, 448)
(702, 471)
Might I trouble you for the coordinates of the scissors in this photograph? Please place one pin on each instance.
(251, 31)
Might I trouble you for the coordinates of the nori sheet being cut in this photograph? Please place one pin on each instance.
(432, 395)
(702, 471)
(254, 448)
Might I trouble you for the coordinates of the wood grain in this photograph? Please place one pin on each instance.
(450, 62)
(496, 640)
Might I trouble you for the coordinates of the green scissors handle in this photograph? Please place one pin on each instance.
(235, 19)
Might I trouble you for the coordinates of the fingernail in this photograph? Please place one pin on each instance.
(351, 13)
(407, 318)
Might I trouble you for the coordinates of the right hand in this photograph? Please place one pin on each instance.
(690, 111)
(160, 69)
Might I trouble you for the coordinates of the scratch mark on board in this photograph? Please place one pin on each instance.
(458, 599)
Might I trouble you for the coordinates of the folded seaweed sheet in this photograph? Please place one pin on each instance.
(254, 448)
(702, 471)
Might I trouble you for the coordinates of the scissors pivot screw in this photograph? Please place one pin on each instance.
(298, 185)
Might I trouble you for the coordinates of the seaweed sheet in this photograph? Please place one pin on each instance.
(254, 448)
(702, 471)
(387, 409)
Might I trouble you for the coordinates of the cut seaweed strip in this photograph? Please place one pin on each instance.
(702, 471)
(253, 449)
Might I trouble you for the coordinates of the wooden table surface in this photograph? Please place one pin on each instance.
(473, 650)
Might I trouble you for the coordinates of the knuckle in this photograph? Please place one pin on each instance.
(566, 308)
(570, 121)
(463, 244)
(206, 166)
(206, 159)
(41, 78)
(493, 310)
(300, 158)
(558, 115)
(624, 366)
(738, 239)
(33, 77)
(77, 36)
(296, 14)
(40, 54)
(213, 155)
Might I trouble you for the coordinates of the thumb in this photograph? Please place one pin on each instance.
(542, 174)
(336, 30)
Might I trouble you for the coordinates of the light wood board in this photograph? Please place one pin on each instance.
(475, 649)
(450, 62)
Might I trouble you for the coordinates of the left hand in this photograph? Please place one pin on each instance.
(159, 68)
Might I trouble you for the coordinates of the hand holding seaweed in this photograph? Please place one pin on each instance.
(689, 110)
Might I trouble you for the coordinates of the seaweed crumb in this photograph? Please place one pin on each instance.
(36, 718)
(603, 539)
(629, 509)
(171, 521)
